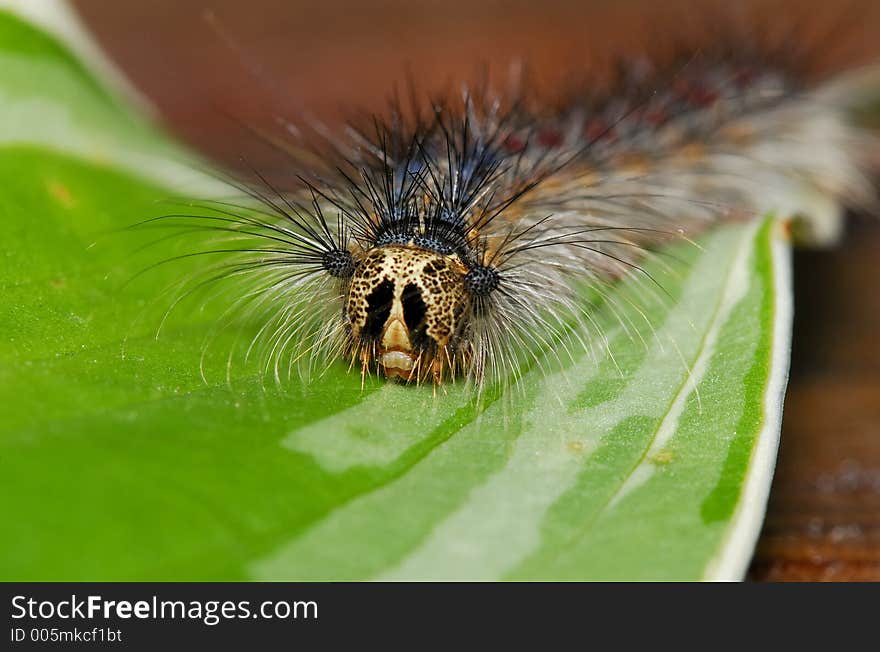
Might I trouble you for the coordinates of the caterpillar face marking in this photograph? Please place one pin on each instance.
(404, 309)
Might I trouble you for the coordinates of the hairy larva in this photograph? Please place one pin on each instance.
(451, 241)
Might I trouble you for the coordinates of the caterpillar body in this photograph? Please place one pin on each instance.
(450, 242)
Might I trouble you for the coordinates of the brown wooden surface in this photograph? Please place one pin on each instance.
(824, 516)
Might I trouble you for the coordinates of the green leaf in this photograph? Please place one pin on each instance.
(647, 457)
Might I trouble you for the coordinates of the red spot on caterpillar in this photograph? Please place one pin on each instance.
(694, 94)
(702, 97)
(681, 87)
(743, 77)
(597, 129)
(513, 144)
(549, 138)
(656, 117)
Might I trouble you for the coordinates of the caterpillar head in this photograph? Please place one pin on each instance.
(407, 309)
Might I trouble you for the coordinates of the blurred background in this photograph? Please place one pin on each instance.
(264, 57)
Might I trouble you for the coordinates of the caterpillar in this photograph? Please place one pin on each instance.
(451, 241)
